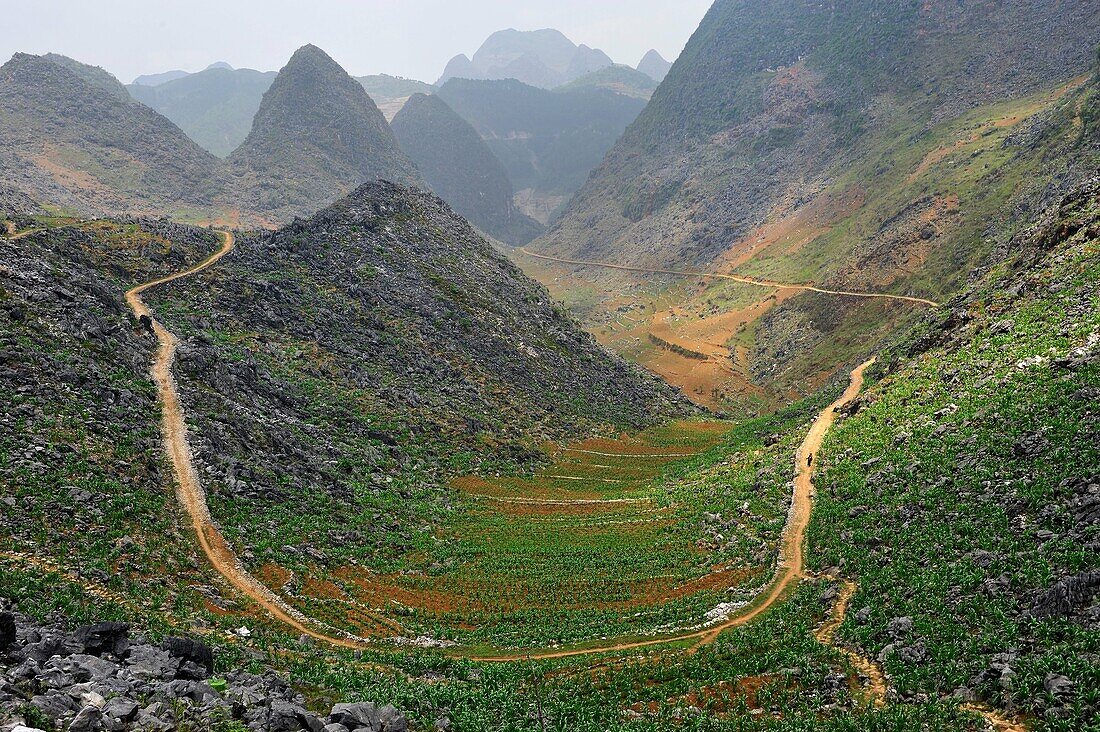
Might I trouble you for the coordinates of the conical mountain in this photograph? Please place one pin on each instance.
(654, 66)
(70, 135)
(316, 137)
(461, 169)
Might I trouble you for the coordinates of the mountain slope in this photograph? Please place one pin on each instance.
(654, 66)
(68, 137)
(162, 78)
(316, 136)
(963, 492)
(543, 58)
(461, 169)
(804, 142)
(548, 141)
(214, 107)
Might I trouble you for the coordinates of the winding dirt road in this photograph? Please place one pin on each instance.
(789, 569)
(190, 490)
(791, 553)
(730, 277)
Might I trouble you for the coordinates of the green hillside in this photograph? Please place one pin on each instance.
(618, 79)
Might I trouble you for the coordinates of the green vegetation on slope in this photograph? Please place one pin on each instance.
(962, 497)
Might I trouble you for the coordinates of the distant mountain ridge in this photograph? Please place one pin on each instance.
(214, 107)
(548, 141)
(654, 66)
(543, 58)
(167, 76)
(461, 169)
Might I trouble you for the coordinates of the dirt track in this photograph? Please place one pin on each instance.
(192, 496)
(190, 490)
(214, 546)
(730, 277)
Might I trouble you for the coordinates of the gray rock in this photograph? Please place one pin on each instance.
(7, 630)
(1058, 686)
(90, 719)
(393, 720)
(121, 708)
(113, 638)
(899, 627)
(84, 667)
(53, 644)
(55, 704)
(198, 659)
(148, 663)
(362, 714)
(334, 727)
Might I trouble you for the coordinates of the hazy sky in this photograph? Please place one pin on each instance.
(413, 38)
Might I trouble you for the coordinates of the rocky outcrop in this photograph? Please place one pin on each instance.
(97, 678)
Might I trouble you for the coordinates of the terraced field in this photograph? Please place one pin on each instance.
(630, 536)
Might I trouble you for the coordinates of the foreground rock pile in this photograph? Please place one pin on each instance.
(98, 677)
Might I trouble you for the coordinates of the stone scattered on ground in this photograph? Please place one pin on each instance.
(99, 678)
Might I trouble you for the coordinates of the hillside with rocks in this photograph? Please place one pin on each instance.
(548, 141)
(461, 169)
(101, 676)
(214, 107)
(543, 58)
(68, 137)
(384, 330)
(316, 137)
(964, 489)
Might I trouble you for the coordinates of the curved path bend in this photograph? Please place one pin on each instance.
(190, 490)
(730, 277)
